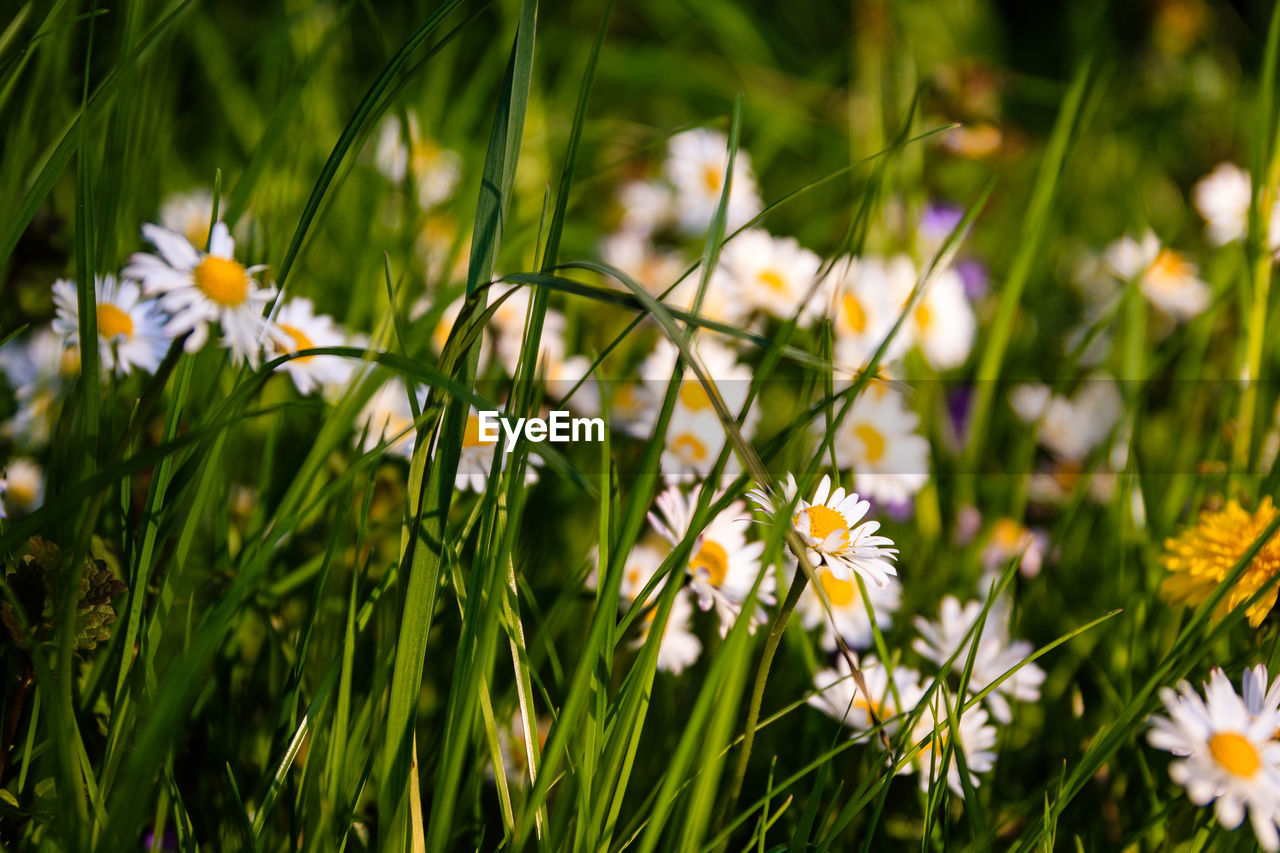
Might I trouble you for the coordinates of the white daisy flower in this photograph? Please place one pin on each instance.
(38, 370)
(562, 374)
(722, 299)
(679, 646)
(878, 440)
(977, 742)
(1167, 279)
(130, 329)
(22, 487)
(646, 206)
(848, 609)
(996, 653)
(840, 698)
(1223, 197)
(723, 566)
(942, 322)
(476, 459)
(1010, 539)
(1070, 428)
(731, 378)
(189, 214)
(197, 289)
(1226, 748)
(697, 161)
(774, 274)
(297, 327)
(695, 434)
(508, 323)
(634, 253)
(386, 416)
(435, 170)
(861, 312)
(834, 534)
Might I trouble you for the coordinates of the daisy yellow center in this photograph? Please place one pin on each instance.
(633, 578)
(113, 322)
(223, 281)
(711, 179)
(1235, 754)
(688, 446)
(839, 593)
(425, 154)
(1202, 556)
(773, 280)
(854, 314)
(23, 492)
(1169, 267)
(873, 442)
(300, 340)
(712, 559)
(924, 316)
(1006, 533)
(823, 521)
(471, 435)
(694, 396)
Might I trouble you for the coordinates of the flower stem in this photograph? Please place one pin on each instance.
(771, 644)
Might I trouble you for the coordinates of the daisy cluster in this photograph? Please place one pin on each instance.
(856, 595)
(190, 282)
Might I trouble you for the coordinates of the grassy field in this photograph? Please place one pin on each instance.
(928, 504)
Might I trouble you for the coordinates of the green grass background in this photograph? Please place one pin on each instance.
(322, 670)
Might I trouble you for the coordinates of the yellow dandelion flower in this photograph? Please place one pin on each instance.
(1200, 557)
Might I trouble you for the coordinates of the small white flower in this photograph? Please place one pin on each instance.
(996, 653)
(22, 487)
(723, 566)
(942, 322)
(198, 288)
(774, 274)
(38, 370)
(1223, 197)
(646, 206)
(634, 253)
(130, 329)
(722, 299)
(1167, 279)
(862, 314)
(878, 440)
(679, 646)
(562, 374)
(435, 170)
(833, 532)
(189, 214)
(695, 434)
(840, 698)
(1070, 428)
(977, 741)
(848, 609)
(1226, 748)
(697, 161)
(476, 458)
(508, 324)
(388, 417)
(297, 327)
(1010, 539)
